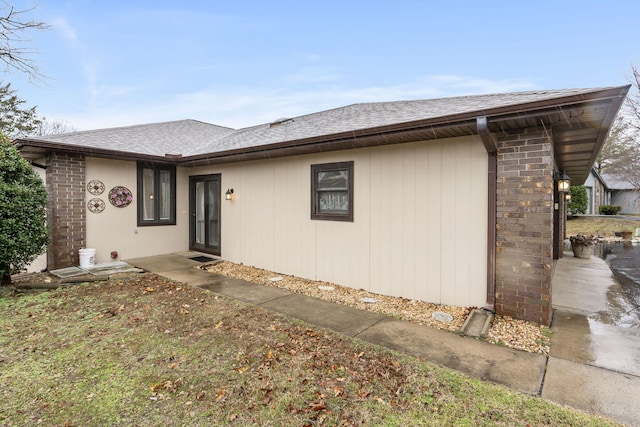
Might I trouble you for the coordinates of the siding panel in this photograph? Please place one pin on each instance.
(419, 229)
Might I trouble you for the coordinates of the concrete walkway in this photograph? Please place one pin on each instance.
(594, 363)
(568, 376)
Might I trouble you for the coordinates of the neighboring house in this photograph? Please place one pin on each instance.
(598, 192)
(451, 201)
(623, 194)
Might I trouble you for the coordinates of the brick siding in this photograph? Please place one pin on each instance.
(524, 227)
(65, 208)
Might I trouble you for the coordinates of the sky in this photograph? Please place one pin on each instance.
(241, 63)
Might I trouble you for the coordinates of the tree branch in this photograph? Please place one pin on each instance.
(15, 49)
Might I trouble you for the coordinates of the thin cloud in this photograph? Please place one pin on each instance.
(245, 106)
(65, 29)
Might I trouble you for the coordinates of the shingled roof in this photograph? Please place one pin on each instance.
(190, 142)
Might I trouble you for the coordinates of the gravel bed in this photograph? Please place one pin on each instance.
(517, 334)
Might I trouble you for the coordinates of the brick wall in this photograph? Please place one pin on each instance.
(65, 209)
(524, 227)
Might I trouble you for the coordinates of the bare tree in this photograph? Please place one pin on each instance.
(620, 155)
(633, 99)
(53, 127)
(15, 48)
(619, 146)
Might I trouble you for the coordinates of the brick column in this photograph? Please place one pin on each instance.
(65, 208)
(524, 226)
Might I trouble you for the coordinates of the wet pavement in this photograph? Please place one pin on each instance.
(595, 313)
(594, 363)
(624, 259)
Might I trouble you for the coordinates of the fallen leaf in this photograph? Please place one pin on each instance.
(319, 406)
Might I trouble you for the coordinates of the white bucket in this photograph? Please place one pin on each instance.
(87, 258)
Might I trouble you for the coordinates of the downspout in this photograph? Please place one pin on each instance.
(490, 144)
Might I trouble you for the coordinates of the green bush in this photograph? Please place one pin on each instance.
(579, 201)
(609, 209)
(23, 199)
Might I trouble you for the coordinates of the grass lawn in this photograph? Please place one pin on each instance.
(603, 225)
(143, 351)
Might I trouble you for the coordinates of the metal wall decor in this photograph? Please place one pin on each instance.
(120, 197)
(95, 187)
(96, 205)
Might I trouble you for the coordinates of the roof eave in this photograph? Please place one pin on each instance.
(404, 132)
(24, 144)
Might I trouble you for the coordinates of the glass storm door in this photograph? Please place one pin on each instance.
(204, 204)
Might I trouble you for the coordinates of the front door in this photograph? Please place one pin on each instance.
(204, 205)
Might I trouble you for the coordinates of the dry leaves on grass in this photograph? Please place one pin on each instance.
(517, 334)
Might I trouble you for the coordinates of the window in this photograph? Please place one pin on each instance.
(332, 191)
(156, 194)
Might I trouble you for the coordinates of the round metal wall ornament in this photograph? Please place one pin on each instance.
(120, 197)
(95, 187)
(96, 205)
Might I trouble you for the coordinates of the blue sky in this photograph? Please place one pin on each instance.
(240, 63)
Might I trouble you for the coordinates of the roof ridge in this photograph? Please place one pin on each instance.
(141, 125)
(560, 93)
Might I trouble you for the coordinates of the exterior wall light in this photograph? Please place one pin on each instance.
(229, 194)
(567, 197)
(564, 182)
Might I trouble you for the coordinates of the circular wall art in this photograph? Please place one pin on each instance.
(95, 187)
(96, 205)
(120, 197)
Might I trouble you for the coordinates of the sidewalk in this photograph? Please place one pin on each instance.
(594, 363)
(563, 377)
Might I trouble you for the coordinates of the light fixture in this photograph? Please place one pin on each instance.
(564, 182)
(567, 196)
(229, 194)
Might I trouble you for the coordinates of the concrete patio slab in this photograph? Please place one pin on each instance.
(163, 263)
(191, 276)
(108, 268)
(64, 273)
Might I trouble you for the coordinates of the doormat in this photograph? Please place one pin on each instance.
(202, 258)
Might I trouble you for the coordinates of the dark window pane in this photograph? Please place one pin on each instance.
(156, 194)
(332, 191)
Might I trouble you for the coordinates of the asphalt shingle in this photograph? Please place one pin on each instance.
(191, 137)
